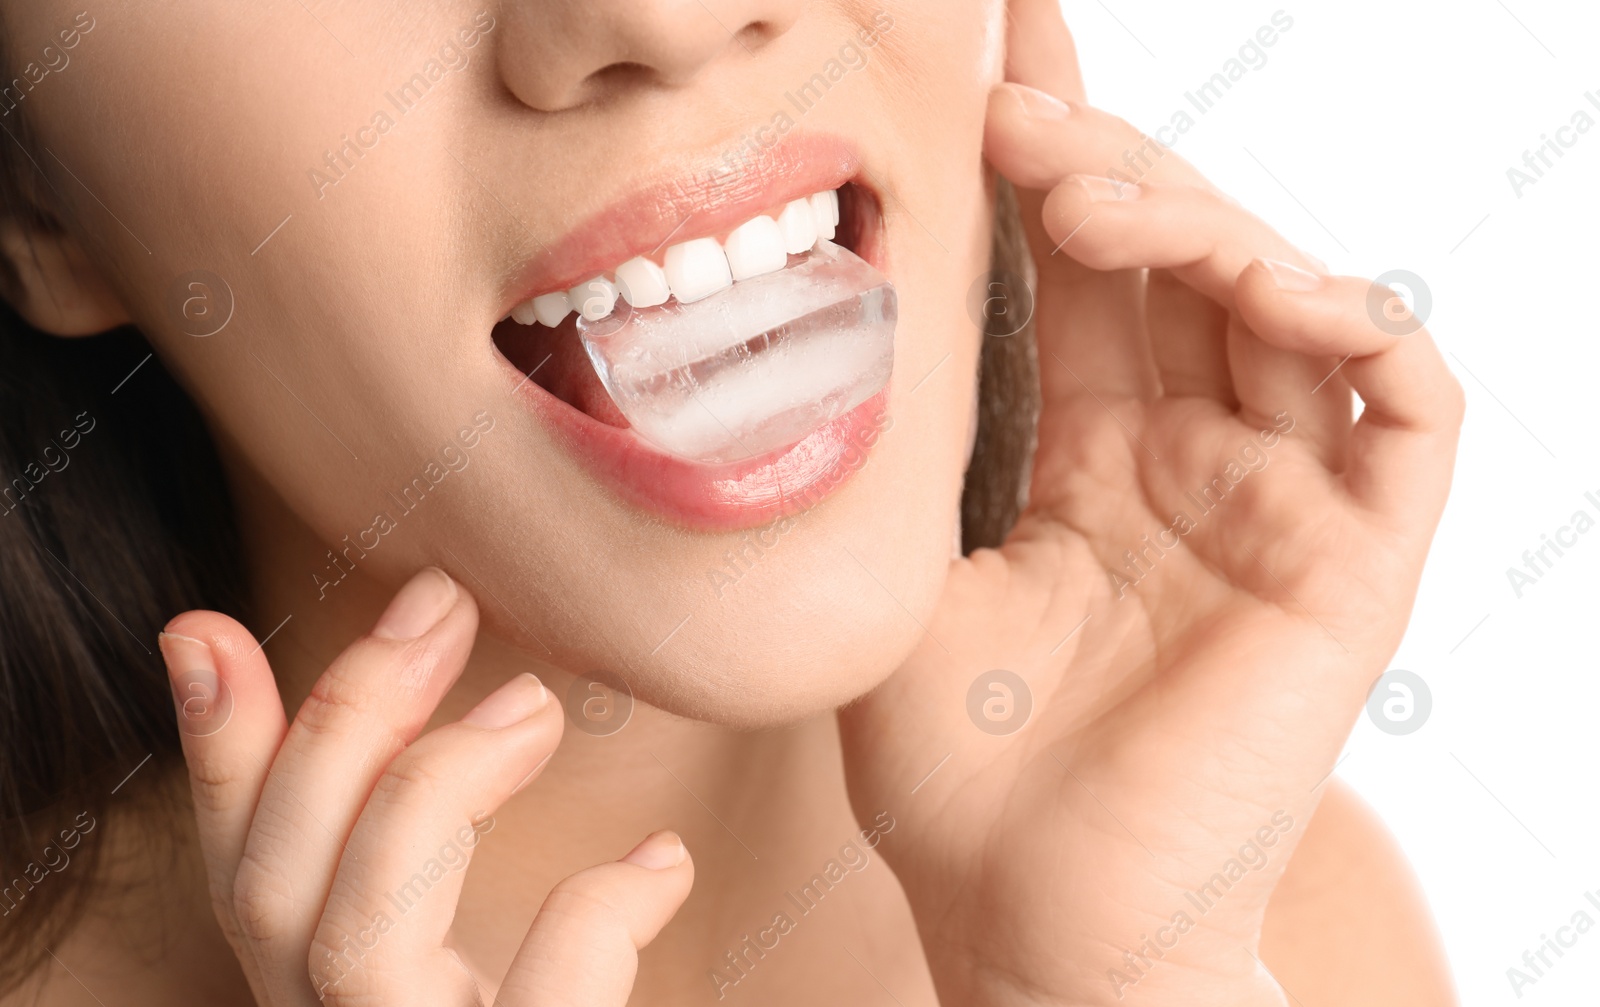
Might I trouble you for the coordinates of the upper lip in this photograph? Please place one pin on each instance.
(705, 197)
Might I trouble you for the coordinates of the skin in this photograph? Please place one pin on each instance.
(1165, 732)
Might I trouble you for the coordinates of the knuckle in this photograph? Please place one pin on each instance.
(333, 710)
(222, 908)
(213, 781)
(264, 902)
(411, 777)
(335, 699)
(210, 770)
(347, 695)
(341, 971)
(584, 903)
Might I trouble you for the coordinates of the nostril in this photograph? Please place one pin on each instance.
(560, 54)
(614, 79)
(757, 34)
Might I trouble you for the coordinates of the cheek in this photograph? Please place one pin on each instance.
(992, 52)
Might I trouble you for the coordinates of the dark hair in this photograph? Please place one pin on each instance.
(996, 489)
(114, 516)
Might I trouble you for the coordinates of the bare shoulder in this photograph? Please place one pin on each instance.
(1348, 924)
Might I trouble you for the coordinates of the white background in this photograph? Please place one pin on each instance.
(1378, 136)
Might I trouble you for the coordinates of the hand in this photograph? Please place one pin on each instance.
(1214, 566)
(336, 845)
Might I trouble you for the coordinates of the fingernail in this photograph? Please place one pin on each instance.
(196, 692)
(658, 852)
(1108, 190)
(512, 703)
(418, 607)
(1289, 277)
(188, 660)
(1036, 104)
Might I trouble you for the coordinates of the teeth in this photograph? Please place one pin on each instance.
(695, 269)
(642, 283)
(549, 309)
(594, 299)
(826, 207)
(798, 222)
(755, 249)
(526, 314)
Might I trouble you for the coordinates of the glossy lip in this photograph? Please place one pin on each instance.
(705, 497)
(701, 200)
(718, 497)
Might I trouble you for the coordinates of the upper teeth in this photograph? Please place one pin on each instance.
(694, 269)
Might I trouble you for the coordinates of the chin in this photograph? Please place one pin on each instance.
(745, 630)
(780, 671)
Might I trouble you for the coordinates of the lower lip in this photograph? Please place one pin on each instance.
(717, 497)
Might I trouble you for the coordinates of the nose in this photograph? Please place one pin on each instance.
(560, 54)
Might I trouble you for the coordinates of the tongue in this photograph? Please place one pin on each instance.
(557, 362)
(572, 379)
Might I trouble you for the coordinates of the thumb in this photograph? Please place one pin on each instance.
(231, 721)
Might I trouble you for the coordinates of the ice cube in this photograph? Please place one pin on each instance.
(753, 368)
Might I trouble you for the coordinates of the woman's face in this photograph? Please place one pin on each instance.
(370, 188)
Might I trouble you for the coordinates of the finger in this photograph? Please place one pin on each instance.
(1040, 51)
(1039, 142)
(1036, 140)
(370, 703)
(230, 722)
(1090, 326)
(1403, 448)
(1205, 240)
(381, 938)
(583, 947)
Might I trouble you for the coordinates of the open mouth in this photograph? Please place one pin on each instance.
(728, 347)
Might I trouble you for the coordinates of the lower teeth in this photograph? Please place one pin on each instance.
(756, 367)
